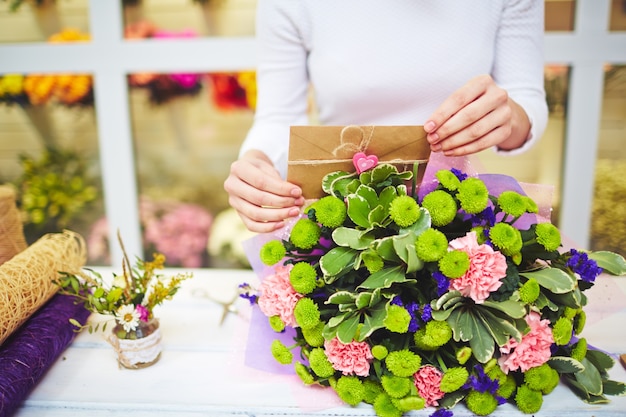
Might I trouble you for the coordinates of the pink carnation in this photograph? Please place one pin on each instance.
(278, 298)
(427, 381)
(486, 269)
(532, 351)
(351, 359)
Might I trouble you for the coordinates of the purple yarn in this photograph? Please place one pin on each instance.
(28, 353)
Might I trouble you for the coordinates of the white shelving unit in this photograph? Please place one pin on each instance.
(110, 58)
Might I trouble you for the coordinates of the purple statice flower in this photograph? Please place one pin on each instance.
(581, 264)
(482, 383)
(442, 412)
(413, 309)
(397, 301)
(245, 292)
(459, 174)
(427, 313)
(487, 217)
(442, 283)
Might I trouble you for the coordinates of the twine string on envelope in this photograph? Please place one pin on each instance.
(12, 239)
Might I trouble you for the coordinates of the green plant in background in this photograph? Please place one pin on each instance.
(14, 5)
(53, 190)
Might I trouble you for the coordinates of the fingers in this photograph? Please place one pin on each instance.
(473, 118)
(262, 199)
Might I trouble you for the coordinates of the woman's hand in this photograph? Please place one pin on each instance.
(477, 116)
(258, 193)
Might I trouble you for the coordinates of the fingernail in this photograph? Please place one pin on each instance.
(296, 192)
(294, 212)
(429, 126)
(433, 137)
(435, 147)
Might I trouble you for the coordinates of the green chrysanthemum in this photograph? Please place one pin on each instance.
(305, 234)
(431, 245)
(570, 312)
(579, 350)
(512, 203)
(453, 379)
(379, 352)
(463, 355)
(395, 386)
(403, 363)
(529, 292)
(303, 277)
(372, 391)
(276, 324)
(304, 374)
(434, 335)
(473, 195)
(506, 382)
(404, 210)
(448, 180)
(481, 237)
(531, 205)
(441, 206)
(330, 211)
(384, 407)
(454, 264)
(372, 261)
(506, 238)
(397, 319)
(528, 401)
(281, 353)
(320, 364)
(272, 252)
(306, 313)
(350, 389)
(579, 322)
(409, 403)
(548, 236)
(562, 331)
(541, 378)
(313, 336)
(481, 403)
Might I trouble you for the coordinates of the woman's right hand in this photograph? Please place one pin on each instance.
(258, 193)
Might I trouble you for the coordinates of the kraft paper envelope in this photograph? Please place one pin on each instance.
(315, 151)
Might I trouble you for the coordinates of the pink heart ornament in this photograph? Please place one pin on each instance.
(364, 162)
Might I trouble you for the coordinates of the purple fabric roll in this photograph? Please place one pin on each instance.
(32, 349)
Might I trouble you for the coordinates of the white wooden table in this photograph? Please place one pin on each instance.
(201, 371)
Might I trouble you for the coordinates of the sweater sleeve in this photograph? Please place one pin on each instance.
(282, 79)
(518, 65)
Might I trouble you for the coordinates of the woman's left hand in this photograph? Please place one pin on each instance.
(475, 117)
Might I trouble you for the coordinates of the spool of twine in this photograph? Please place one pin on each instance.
(26, 280)
(12, 239)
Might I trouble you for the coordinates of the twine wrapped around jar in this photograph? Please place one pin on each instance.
(12, 239)
(27, 279)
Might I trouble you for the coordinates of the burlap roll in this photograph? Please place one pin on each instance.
(12, 239)
(26, 280)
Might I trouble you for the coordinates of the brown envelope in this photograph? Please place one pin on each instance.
(315, 151)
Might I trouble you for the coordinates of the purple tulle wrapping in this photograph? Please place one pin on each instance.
(32, 349)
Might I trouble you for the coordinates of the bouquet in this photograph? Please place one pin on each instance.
(407, 297)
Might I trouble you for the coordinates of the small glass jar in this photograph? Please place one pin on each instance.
(138, 348)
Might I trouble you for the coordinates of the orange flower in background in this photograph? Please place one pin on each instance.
(72, 88)
(231, 90)
(69, 35)
(39, 88)
(247, 80)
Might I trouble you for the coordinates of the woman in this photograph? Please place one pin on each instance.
(470, 72)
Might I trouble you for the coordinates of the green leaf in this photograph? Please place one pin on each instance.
(377, 216)
(336, 260)
(369, 194)
(373, 321)
(421, 225)
(335, 321)
(401, 245)
(482, 343)
(336, 181)
(610, 387)
(341, 297)
(554, 279)
(99, 292)
(358, 210)
(600, 359)
(363, 300)
(500, 329)
(75, 322)
(387, 195)
(386, 250)
(347, 329)
(385, 278)
(565, 364)
(441, 301)
(512, 308)
(590, 378)
(572, 299)
(352, 238)
(611, 262)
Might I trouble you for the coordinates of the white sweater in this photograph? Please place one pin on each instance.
(375, 62)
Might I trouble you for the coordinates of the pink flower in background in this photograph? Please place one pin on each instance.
(532, 351)
(486, 269)
(427, 381)
(352, 358)
(278, 298)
